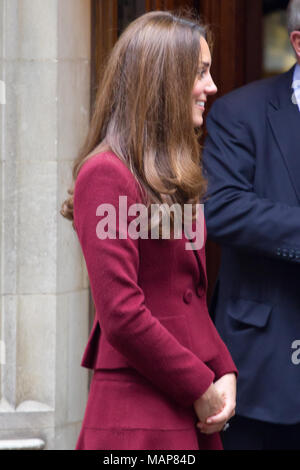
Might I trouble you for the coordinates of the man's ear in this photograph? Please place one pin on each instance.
(295, 41)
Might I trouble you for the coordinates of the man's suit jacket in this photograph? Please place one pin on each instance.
(252, 162)
(150, 298)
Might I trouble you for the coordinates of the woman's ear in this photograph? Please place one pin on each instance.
(295, 41)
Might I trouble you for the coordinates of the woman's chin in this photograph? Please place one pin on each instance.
(198, 123)
(198, 120)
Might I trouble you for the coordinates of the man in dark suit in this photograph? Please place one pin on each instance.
(252, 161)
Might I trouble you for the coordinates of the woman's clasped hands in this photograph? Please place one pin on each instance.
(217, 405)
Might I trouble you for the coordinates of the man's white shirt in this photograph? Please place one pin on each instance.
(296, 85)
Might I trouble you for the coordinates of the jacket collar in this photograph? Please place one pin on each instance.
(284, 118)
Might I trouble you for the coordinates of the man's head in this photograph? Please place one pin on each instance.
(293, 23)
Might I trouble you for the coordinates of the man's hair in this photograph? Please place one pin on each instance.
(293, 16)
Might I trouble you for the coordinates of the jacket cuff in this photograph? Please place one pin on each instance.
(222, 366)
(187, 394)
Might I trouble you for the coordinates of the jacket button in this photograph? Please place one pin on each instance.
(187, 296)
(200, 291)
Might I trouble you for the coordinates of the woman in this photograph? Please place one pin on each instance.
(160, 368)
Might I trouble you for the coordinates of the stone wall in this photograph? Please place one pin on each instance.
(45, 66)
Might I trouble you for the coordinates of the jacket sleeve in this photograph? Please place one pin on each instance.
(235, 215)
(223, 363)
(113, 266)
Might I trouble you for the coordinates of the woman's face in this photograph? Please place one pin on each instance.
(204, 85)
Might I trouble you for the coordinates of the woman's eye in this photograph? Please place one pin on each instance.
(201, 73)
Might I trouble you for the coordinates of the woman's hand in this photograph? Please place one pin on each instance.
(226, 387)
(209, 404)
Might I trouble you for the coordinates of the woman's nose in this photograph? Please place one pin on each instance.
(211, 88)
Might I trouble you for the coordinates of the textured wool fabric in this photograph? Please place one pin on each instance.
(153, 346)
(251, 160)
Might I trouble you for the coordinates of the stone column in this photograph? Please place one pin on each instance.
(45, 73)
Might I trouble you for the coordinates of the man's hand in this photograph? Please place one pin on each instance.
(226, 386)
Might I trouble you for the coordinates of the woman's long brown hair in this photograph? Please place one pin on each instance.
(143, 109)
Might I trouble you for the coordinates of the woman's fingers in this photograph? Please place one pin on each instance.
(210, 428)
(224, 415)
(215, 426)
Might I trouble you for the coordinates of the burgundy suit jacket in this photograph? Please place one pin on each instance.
(150, 295)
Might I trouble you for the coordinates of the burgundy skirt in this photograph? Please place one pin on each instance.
(125, 411)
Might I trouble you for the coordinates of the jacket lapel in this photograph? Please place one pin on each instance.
(284, 117)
